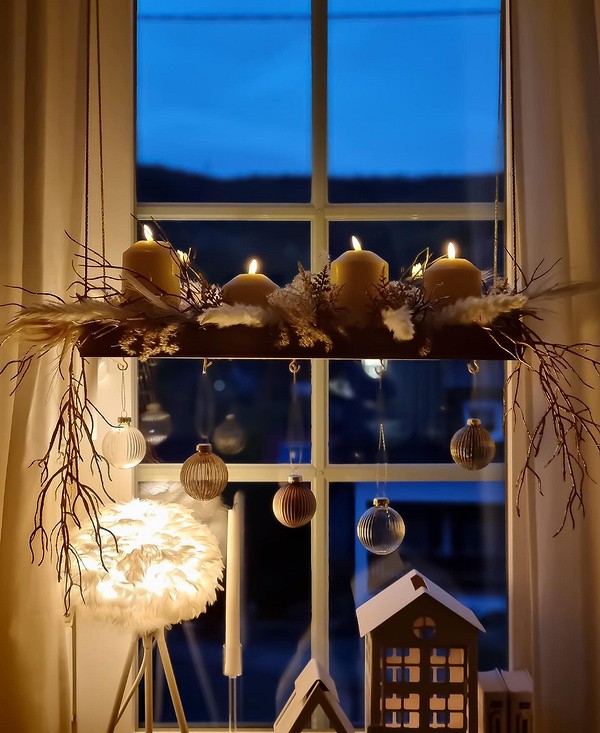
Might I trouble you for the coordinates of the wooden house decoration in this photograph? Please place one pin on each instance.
(420, 659)
(313, 688)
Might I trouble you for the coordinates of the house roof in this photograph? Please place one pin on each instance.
(401, 594)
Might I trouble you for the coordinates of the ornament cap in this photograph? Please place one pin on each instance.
(295, 478)
(381, 501)
(474, 422)
(124, 420)
(204, 448)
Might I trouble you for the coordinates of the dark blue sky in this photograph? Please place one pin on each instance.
(224, 86)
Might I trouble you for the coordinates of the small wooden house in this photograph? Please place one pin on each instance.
(420, 659)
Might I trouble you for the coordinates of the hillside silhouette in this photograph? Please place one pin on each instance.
(157, 183)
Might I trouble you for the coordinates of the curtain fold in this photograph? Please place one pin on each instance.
(556, 138)
(41, 159)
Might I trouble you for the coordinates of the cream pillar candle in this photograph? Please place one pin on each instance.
(251, 288)
(155, 263)
(451, 279)
(358, 272)
(232, 652)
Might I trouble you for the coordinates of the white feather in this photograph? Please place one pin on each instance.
(164, 567)
(236, 315)
(399, 322)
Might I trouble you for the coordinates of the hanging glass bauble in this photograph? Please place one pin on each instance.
(204, 475)
(381, 529)
(124, 446)
(229, 437)
(472, 447)
(294, 504)
(155, 424)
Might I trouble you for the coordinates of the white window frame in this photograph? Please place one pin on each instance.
(106, 647)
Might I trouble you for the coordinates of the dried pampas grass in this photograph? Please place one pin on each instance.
(480, 311)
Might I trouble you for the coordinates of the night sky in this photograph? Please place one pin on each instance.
(224, 86)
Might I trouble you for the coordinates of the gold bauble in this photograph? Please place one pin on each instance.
(204, 475)
(472, 447)
(294, 504)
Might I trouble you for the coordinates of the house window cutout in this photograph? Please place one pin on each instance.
(424, 627)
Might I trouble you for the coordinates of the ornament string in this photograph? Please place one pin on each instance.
(122, 367)
(205, 403)
(382, 457)
(295, 420)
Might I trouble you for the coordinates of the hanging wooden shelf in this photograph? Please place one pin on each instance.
(243, 342)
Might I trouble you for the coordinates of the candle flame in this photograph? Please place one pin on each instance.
(356, 243)
(252, 267)
(148, 233)
(451, 251)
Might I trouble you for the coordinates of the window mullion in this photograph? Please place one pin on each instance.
(319, 421)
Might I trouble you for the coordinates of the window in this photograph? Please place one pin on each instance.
(277, 133)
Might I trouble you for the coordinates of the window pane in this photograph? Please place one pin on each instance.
(223, 101)
(413, 101)
(424, 404)
(275, 624)
(243, 407)
(399, 242)
(454, 536)
(222, 249)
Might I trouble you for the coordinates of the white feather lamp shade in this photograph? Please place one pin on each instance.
(124, 446)
(166, 570)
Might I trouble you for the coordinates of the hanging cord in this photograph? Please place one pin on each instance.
(382, 458)
(123, 368)
(205, 403)
(507, 67)
(295, 420)
(100, 145)
(499, 143)
(87, 153)
(88, 100)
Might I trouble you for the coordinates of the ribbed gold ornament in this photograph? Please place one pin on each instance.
(204, 475)
(381, 529)
(472, 447)
(294, 504)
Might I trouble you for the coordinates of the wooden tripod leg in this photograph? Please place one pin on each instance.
(114, 718)
(168, 668)
(148, 682)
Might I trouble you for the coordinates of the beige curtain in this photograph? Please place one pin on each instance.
(42, 78)
(555, 581)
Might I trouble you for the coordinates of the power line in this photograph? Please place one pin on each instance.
(275, 17)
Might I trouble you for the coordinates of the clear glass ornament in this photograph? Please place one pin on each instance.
(229, 437)
(124, 446)
(294, 504)
(155, 424)
(204, 475)
(472, 447)
(381, 529)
